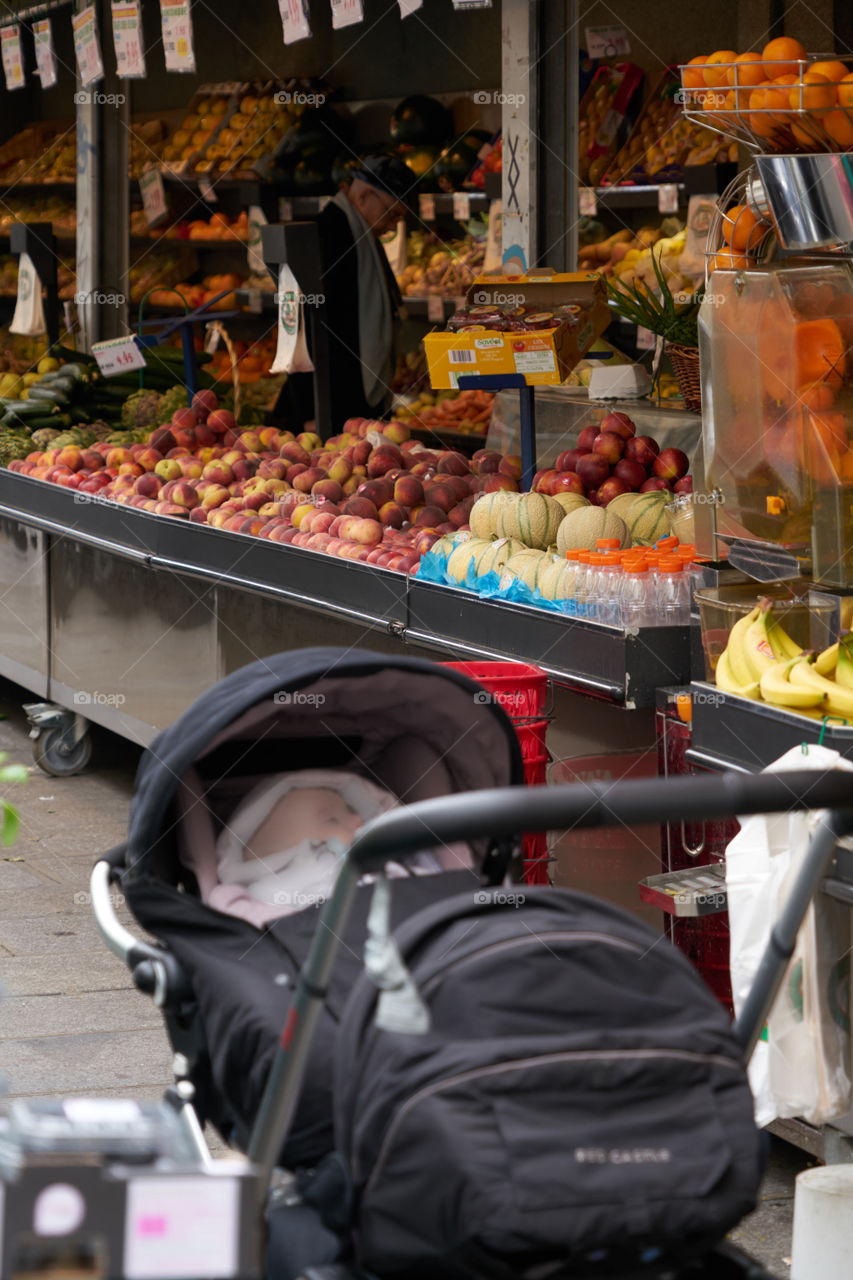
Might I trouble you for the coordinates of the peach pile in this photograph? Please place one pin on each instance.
(368, 494)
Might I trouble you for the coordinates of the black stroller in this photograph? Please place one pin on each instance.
(376, 1076)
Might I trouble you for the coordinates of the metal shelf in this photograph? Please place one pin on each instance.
(634, 197)
(730, 732)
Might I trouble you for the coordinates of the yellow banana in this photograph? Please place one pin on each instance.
(726, 681)
(824, 663)
(756, 645)
(839, 701)
(776, 688)
(844, 670)
(781, 643)
(737, 663)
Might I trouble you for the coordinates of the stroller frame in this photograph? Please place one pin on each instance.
(503, 813)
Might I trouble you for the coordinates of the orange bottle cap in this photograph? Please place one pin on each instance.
(663, 544)
(606, 544)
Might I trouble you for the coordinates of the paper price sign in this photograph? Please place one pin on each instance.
(472, 4)
(294, 20)
(346, 12)
(607, 42)
(435, 308)
(426, 205)
(177, 35)
(461, 206)
(127, 39)
(13, 66)
(119, 355)
(206, 190)
(645, 339)
(45, 58)
(153, 196)
(668, 198)
(587, 203)
(255, 257)
(87, 47)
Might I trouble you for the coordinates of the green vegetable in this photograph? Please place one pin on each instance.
(674, 322)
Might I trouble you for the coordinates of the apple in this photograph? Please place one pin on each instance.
(619, 423)
(611, 489)
(566, 482)
(540, 477)
(630, 473)
(684, 485)
(609, 446)
(642, 449)
(592, 469)
(655, 483)
(585, 440)
(671, 464)
(567, 460)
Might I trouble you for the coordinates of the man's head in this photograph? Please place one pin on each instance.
(381, 190)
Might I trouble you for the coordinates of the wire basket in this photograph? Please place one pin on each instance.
(798, 116)
(685, 366)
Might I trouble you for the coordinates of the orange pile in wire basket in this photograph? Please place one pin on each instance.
(781, 99)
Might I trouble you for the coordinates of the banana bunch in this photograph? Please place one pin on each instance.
(762, 662)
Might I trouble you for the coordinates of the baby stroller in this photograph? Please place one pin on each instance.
(482, 1181)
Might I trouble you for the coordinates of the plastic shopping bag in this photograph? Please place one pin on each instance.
(801, 1067)
(292, 351)
(29, 311)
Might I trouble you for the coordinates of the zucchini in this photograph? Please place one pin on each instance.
(76, 357)
(27, 408)
(48, 394)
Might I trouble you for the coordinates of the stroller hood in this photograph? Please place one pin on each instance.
(415, 727)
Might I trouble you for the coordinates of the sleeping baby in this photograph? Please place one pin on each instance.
(282, 846)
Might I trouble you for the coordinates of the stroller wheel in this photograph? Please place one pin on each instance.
(55, 754)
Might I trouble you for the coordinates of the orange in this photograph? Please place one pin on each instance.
(748, 70)
(839, 126)
(725, 260)
(844, 92)
(694, 79)
(819, 351)
(777, 95)
(816, 395)
(716, 74)
(782, 56)
(833, 70)
(818, 94)
(742, 229)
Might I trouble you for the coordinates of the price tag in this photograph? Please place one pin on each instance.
(214, 337)
(409, 6)
(426, 205)
(494, 249)
(87, 46)
(257, 221)
(645, 339)
(587, 203)
(153, 196)
(668, 198)
(206, 190)
(256, 301)
(461, 206)
(396, 249)
(45, 57)
(607, 42)
(119, 355)
(294, 20)
(13, 65)
(285, 210)
(177, 35)
(472, 4)
(435, 308)
(127, 39)
(346, 12)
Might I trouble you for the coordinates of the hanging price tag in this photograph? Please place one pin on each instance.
(127, 39)
(461, 206)
(206, 190)
(472, 4)
(607, 42)
(668, 198)
(294, 20)
(285, 209)
(87, 46)
(177, 35)
(13, 65)
(426, 205)
(645, 339)
(214, 337)
(587, 203)
(153, 196)
(409, 6)
(396, 249)
(119, 355)
(346, 12)
(45, 57)
(257, 220)
(494, 252)
(435, 308)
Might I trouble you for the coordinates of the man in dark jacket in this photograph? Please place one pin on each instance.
(362, 302)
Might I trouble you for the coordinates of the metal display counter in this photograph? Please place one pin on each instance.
(125, 617)
(730, 732)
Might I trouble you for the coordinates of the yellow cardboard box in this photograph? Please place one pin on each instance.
(544, 357)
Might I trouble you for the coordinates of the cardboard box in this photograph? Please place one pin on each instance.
(544, 357)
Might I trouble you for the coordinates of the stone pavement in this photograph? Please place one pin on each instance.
(70, 1020)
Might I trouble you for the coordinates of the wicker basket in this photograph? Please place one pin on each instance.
(685, 366)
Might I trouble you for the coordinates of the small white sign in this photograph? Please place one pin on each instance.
(535, 362)
(118, 355)
(87, 46)
(181, 1227)
(645, 339)
(13, 64)
(45, 56)
(108, 1111)
(347, 12)
(177, 35)
(153, 196)
(294, 20)
(206, 190)
(58, 1210)
(494, 246)
(285, 209)
(668, 198)
(435, 308)
(396, 249)
(426, 205)
(461, 206)
(607, 42)
(587, 202)
(127, 39)
(409, 6)
(214, 337)
(472, 4)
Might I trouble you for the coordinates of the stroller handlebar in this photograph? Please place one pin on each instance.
(510, 811)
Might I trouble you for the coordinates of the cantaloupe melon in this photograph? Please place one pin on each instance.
(555, 582)
(622, 504)
(583, 528)
(570, 501)
(528, 566)
(462, 556)
(483, 517)
(493, 558)
(533, 519)
(648, 518)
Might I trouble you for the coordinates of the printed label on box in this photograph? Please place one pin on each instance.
(483, 344)
(462, 357)
(534, 362)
